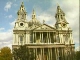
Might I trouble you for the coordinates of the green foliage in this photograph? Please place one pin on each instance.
(78, 55)
(5, 54)
(23, 53)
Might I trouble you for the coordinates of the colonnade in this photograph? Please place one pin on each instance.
(51, 54)
(48, 37)
(42, 55)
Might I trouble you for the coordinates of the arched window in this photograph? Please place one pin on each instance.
(21, 40)
(58, 16)
(61, 16)
(57, 39)
(65, 37)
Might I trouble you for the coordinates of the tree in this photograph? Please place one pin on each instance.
(23, 53)
(5, 53)
(78, 55)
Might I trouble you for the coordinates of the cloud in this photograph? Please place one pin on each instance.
(8, 6)
(12, 23)
(2, 29)
(10, 16)
(6, 38)
(5, 35)
(47, 17)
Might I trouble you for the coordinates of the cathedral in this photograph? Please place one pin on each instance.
(47, 42)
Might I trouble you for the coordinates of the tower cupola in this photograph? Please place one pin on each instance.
(21, 12)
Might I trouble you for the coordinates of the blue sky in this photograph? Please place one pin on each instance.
(45, 10)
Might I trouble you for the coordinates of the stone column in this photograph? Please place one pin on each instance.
(25, 39)
(14, 38)
(18, 40)
(42, 37)
(33, 37)
(53, 37)
(58, 53)
(48, 37)
(43, 54)
(55, 54)
(28, 37)
(63, 53)
(51, 53)
(48, 54)
(36, 54)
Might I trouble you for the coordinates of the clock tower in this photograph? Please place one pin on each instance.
(21, 27)
(61, 22)
(62, 26)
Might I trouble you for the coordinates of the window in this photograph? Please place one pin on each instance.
(21, 24)
(21, 39)
(65, 38)
(57, 38)
(58, 16)
(61, 17)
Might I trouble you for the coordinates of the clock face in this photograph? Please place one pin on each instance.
(21, 24)
(63, 25)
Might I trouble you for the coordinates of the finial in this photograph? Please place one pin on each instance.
(22, 4)
(33, 11)
(33, 14)
(57, 4)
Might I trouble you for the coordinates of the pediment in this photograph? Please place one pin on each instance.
(44, 27)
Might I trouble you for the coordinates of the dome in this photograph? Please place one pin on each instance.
(34, 22)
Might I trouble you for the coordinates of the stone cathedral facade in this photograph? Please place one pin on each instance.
(48, 43)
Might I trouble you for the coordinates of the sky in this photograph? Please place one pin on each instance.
(45, 10)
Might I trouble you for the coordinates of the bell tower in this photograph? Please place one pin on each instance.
(62, 26)
(21, 23)
(20, 31)
(61, 22)
(22, 12)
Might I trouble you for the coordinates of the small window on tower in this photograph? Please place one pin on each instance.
(21, 39)
(58, 16)
(65, 37)
(21, 24)
(61, 17)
